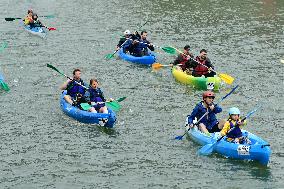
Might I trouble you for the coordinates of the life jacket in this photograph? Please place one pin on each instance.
(28, 20)
(235, 131)
(199, 69)
(183, 62)
(94, 95)
(73, 88)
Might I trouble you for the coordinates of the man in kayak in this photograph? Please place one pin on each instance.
(126, 44)
(202, 65)
(74, 87)
(36, 22)
(95, 97)
(29, 18)
(209, 123)
(232, 127)
(184, 59)
(140, 47)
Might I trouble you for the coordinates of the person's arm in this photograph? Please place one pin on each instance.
(192, 116)
(64, 86)
(209, 64)
(177, 60)
(216, 109)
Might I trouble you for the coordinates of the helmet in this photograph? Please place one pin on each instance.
(234, 110)
(35, 15)
(127, 32)
(208, 93)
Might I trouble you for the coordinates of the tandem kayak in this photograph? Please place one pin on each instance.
(106, 120)
(256, 150)
(38, 31)
(144, 60)
(197, 82)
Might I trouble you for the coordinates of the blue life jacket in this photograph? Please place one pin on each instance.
(73, 88)
(234, 132)
(209, 120)
(94, 95)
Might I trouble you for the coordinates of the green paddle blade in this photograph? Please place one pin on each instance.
(4, 45)
(4, 86)
(120, 99)
(85, 106)
(52, 67)
(169, 50)
(109, 56)
(113, 105)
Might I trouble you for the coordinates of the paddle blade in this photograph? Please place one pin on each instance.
(169, 50)
(51, 29)
(11, 19)
(109, 56)
(206, 150)
(48, 16)
(227, 78)
(4, 86)
(52, 67)
(85, 106)
(4, 45)
(113, 105)
(179, 137)
(120, 99)
(156, 66)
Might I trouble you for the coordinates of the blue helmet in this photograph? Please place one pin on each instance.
(234, 110)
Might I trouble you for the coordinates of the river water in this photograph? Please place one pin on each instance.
(43, 148)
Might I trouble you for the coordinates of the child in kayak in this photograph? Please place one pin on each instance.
(232, 127)
(95, 97)
(209, 123)
(29, 18)
(36, 22)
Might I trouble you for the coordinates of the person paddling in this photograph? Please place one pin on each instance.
(199, 69)
(209, 123)
(140, 47)
(95, 97)
(36, 22)
(184, 59)
(232, 127)
(74, 87)
(29, 18)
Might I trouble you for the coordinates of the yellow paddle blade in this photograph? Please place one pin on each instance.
(156, 66)
(227, 78)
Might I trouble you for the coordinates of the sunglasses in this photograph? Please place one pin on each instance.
(211, 97)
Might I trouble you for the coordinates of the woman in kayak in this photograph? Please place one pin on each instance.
(29, 18)
(232, 127)
(95, 97)
(209, 123)
(74, 87)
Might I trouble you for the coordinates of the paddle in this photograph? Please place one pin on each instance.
(208, 148)
(3, 46)
(4, 85)
(109, 56)
(225, 77)
(157, 65)
(12, 19)
(114, 105)
(223, 98)
(50, 29)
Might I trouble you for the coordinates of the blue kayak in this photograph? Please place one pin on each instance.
(255, 150)
(3, 85)
(106, 120)
(38, 31)
(144, 60)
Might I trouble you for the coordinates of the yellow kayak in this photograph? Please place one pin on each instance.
(197, 82)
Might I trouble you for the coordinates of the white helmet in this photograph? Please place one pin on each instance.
(127, 32)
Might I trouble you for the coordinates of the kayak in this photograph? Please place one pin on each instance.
(3, 85)
(197, 82)
(106, 120)
(256, 150)
(144, 60)
(38, 31)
